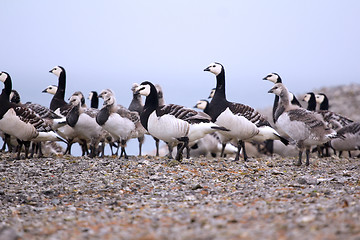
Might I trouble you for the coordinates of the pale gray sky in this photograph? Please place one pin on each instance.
(111, 44)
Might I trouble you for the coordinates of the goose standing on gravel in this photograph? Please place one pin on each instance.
(303, 126)
(136, 105)
(244, 122)
(275, 78)
(350, 138)
(173, 123)
(83, 121)
(22, 122)
(121, 123)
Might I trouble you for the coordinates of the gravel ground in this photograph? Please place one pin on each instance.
(154, 198)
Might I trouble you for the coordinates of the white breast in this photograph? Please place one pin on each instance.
(167, 127)
(12, 125)
(120, 128)
(240, 128)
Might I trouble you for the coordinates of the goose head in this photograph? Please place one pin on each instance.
(81, 95)
(109, 100)
(278, 89)
(320, 98)
(50, 89)
(3, 76)
(57, 70)
(308, 97)
(215, 68)
(144, 88)
(75, 100)
(212, 93)
(201, 104)
(105, 93)
(14, 96)
(92, 94)
(273, 77)
(133, 87)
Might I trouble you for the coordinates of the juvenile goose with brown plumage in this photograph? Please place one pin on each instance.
(306, 128)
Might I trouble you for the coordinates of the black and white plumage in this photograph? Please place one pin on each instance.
(349, 140)
(244, 122)
(275, 78)
(322, 100)
(121, 123)
(305, 127)
(20, 121)
(173, 123)
(94, 99)
(58, 103)
(311, 101)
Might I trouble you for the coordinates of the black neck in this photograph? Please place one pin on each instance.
(94, 101)
(220, 85)
(151, 103)
(325, 104)
(8, 85)
(312, 103)
(60, 93)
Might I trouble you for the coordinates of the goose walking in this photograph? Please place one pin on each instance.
(306, 128)
(244, 122)
(173, 123)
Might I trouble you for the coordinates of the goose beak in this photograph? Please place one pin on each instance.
(271, 90)
(265, 78)
(207, 69)
(44, 91)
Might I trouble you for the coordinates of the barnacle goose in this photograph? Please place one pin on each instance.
(94, 99)
(83, 121)
(275, 78)
(173, 123)
(306, 128)
(136, 105)
(51, 89)
(22, 122)
(121, 123)
(311, 101)
(244, 122)
(322, 100)
(349, 140)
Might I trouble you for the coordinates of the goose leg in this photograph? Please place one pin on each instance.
(27, 146)
(299, 160)
(180, 147)
(123, 145)
(19, 147)
(157, 145)
(141, 141)
(244, 151)
(237, 157)
(307, 157)
(170, 148)
(68, 147)
(223, 149)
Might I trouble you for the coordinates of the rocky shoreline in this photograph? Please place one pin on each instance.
(154, 198)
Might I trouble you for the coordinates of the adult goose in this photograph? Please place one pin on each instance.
(306, 128)
(173, 123)
(350, 138)
(275, 78)
(21, 122)
(311, 101)
(244, 122)
(94, 99)
(121, 123)
(322, 100)
(51, 89)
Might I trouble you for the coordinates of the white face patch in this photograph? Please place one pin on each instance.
(272, 77)
(90, 95)
(109, 100)
(201, 104)
(3, 76)
(215, 68)
(307, 97)
(319, 98)
(51, 89)
(56, 70)
(144, 90)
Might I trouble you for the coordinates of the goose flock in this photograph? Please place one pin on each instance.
(219, 128)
